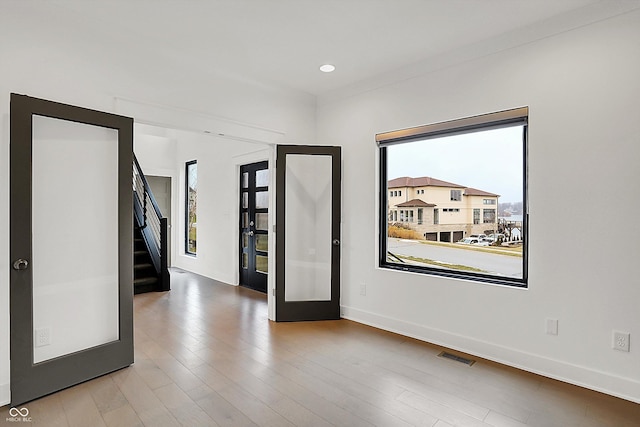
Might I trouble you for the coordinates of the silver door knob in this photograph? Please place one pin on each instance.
(336, 242)
(251, 233)
(20, 264)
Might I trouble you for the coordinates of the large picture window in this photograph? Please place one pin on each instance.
(467, 163)
(191, 204)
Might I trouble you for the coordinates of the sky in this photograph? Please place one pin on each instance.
(489, 160)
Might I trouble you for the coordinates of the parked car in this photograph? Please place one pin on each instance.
(468, 241)
(478, 237)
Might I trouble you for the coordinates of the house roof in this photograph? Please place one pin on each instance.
(427, 181)
(423, 181)
(475, 192)
(415, 203)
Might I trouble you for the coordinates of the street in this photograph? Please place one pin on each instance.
(492, 263)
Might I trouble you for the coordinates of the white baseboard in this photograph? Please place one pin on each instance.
(559, 370)
(5, 394)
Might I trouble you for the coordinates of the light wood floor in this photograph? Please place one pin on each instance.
(206, 355)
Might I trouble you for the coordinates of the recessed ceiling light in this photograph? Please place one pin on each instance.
(327, 68)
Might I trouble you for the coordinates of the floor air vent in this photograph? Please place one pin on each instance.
(455, 358)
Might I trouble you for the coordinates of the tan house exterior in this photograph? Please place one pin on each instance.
(439, 210)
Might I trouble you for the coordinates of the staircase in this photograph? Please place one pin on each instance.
(145, 277)
(151, 272)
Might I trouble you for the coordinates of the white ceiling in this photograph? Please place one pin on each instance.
(278, 43)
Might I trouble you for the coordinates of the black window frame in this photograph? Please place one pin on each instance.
(500, 119)
(186, 209)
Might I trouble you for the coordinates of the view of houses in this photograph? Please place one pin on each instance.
(443, 211)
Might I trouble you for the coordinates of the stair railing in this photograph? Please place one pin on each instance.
(153, 225)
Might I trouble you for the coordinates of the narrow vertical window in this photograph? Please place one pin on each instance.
(191, 203)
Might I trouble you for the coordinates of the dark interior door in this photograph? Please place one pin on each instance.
(254, 216)
(71, 245)
(308, 182)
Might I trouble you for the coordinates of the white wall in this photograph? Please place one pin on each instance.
(59, 65)
(218, 202)
(582, 88)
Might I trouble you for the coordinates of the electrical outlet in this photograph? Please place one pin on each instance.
(363, 289)
(552, 326)
(621, 340)
(42, 337)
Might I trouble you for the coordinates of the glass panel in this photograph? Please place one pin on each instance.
(245, 240)
(245, 220)
(308, 224)
(245, 180)
(262, 220)
(245, 261)
(262, 242)
(262, 199)
(75, 244)
(245, 200)
(262, 178)
(262, 264)
(490, 210)
(192, 204)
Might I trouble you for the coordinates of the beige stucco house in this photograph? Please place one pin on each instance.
(439, 210)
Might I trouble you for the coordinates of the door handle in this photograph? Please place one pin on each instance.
(336, 242)
(251, 233)
(20, 264)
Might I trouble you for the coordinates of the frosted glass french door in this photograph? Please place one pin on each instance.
(308, 233)
(71, 234)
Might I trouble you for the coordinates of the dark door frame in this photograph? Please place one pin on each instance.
(29, 380)
(250, 277)
(308, 310)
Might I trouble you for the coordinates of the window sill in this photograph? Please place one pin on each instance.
(468, 277)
